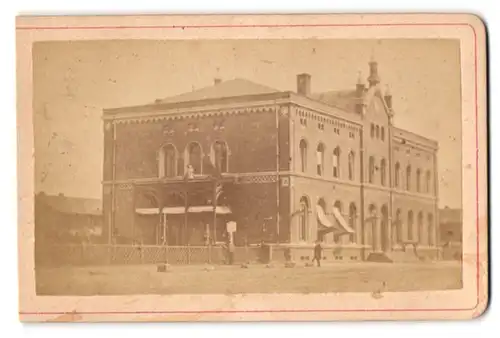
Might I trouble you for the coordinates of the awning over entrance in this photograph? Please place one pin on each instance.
(221, 210)
(323, 220)
(340, 225)
(342, 222)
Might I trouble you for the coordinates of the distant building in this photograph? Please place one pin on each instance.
(63, 219)
(289, 167)
(451, 233)
(451, 225)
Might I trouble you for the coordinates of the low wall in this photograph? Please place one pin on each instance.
(84, 255)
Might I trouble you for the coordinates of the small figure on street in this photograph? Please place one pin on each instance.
(288, 255)
(318, 250)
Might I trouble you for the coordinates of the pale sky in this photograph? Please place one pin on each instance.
(74, 81)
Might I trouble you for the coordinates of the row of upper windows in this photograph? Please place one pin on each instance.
(372, 168)
(320, 160)
(427, 184)
(193, 159)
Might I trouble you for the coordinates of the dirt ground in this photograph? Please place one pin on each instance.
(359, 277)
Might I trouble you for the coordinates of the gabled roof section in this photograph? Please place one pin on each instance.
(71, 205)
(230, 88)
(343, 99)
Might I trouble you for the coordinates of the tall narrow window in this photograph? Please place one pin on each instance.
(428, 181)
(351, 165)
(397, 228)
(420, 231)
(372, 131)
(303, 218)
(371, 169)
(336, 162)
(303, 155)
(220, 156)
(320, 157)
(419, 174)
(410, 226)
(194, 157)
(337, 205)
(352, 220)
(168, 161)
(377, 131)
(382, 171)
(408, 178)
(382, 133)
(397, 174)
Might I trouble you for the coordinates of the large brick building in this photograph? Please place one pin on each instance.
(287, 167)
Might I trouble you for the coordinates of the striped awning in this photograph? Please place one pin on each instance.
(221, 210)
(339, 226)
(342, 222)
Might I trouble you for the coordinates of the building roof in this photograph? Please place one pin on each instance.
(343, 99)
(71, 205)
(241, 89)
(449, 215)
(230, 88)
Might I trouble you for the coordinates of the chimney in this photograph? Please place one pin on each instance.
(388, 98)
(304, 84)
(217, 81)
(374, 78)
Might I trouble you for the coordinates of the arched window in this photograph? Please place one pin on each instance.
(382, 171)
(303, 218)
(303, 155)
(321, 205)
(382, 133)
(431, 232)
(371, 225)
(419, 174)
(351, 160)
(320, 159)
(410, 226)
(377, 131)
(397, 174)
(408, 178)
(428, 181)
(337, 205)
(372, 131)
(220, 156)
(420, 221)
(397, 233)
(352, 220)
(167, 162)
(194, 157)
(384, 228)
(371, 169)
(336, 162)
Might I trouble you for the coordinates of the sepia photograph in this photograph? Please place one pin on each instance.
(264, 165)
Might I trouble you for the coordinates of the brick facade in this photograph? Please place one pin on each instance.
(332, 151)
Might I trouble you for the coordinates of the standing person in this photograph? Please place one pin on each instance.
(318, 250)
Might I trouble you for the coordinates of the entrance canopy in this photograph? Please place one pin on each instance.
(221, 210)
(340, 225)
